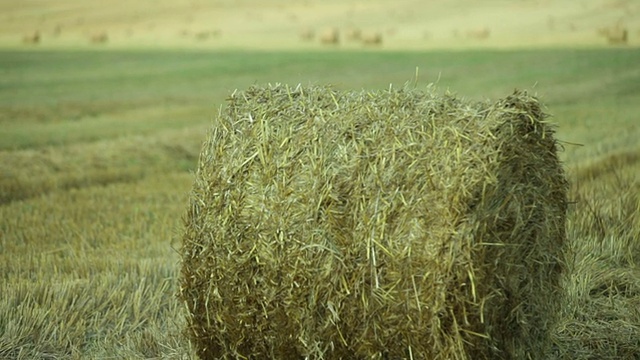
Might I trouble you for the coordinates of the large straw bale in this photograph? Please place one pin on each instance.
(374, 225)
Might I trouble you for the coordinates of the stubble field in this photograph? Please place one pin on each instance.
(98, 145)
(97, 157)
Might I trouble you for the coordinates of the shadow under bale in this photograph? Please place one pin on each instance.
(373, 225)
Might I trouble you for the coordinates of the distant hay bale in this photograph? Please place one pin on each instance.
(615, 35)
(373, 38)
(330, 36)
(374, 225)
(603, 31)
(479, 34)
(206, 35)
(57, 30)
(202, 35)
(32, 39)
(353, 34)
(307, 34)
(551, 22)
(99, 38)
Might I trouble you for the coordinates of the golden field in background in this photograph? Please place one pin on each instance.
(281, 24)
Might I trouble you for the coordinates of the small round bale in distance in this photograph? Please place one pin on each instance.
(374, 225)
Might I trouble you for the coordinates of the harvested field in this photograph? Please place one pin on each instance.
(98, 150)
(601, 310)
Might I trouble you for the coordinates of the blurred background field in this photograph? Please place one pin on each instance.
(282, 24)
(98, 139)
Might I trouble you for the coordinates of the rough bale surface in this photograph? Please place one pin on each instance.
(374, 225)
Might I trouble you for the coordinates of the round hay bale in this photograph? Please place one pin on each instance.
(479, 34)
(32, 39)
(307, 34)
(99, 38)
(371, 225)
(353, 34)
(617, 36)
(372, 39)
(330, 36)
